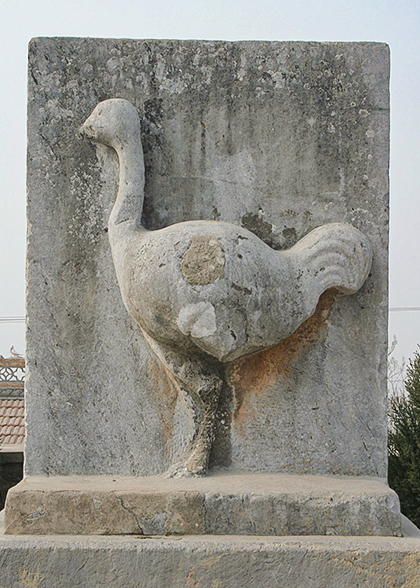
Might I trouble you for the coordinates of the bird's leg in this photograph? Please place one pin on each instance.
(197, 457)
(202, 381)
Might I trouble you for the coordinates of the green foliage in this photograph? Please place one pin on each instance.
(404, 442)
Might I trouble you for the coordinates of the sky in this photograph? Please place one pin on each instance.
(396, 23)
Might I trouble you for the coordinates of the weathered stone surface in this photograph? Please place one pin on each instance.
(221, 504)
(209, 562)
(279, 138)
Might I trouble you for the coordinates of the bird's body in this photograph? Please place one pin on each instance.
(205, 293)
(217, 287)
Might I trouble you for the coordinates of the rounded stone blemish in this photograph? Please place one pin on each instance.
(197, 320)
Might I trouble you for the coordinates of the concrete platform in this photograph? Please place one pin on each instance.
(209, 562)
(222, 503)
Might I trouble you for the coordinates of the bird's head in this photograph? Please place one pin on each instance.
(112, 122)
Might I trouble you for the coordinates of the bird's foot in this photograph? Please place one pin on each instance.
(180, 470)
(193, 466)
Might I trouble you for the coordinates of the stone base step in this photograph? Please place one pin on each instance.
(224, 503)
(209, 562)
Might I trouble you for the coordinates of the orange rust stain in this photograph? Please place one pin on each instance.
(255, 373)
(166, 393)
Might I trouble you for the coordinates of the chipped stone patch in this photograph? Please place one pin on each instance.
(204, 260)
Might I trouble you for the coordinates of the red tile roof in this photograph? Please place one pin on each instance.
(12, 421)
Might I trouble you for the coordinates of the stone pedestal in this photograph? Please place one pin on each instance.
(276, 138)
(209, 561)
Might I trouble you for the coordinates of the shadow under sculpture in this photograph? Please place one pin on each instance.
(205, 293)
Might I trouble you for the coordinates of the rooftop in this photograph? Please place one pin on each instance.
(12, 405)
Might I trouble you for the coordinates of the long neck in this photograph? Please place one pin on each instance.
(127, 210)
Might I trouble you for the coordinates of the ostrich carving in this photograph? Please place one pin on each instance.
(205, 293)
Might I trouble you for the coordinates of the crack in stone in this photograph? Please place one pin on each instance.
(133, 514)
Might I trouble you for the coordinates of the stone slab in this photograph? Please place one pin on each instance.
(219, 504)
(209, 562)
(277, 137)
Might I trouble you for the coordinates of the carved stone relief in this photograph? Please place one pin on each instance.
(206, 293)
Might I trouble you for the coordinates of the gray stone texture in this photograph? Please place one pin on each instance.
(278, 138)
(209, 562)
(220, 504)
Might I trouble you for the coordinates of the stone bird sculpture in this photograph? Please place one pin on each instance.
(205, 293)
(14, 353)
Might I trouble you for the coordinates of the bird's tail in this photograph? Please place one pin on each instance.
(336, 255)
